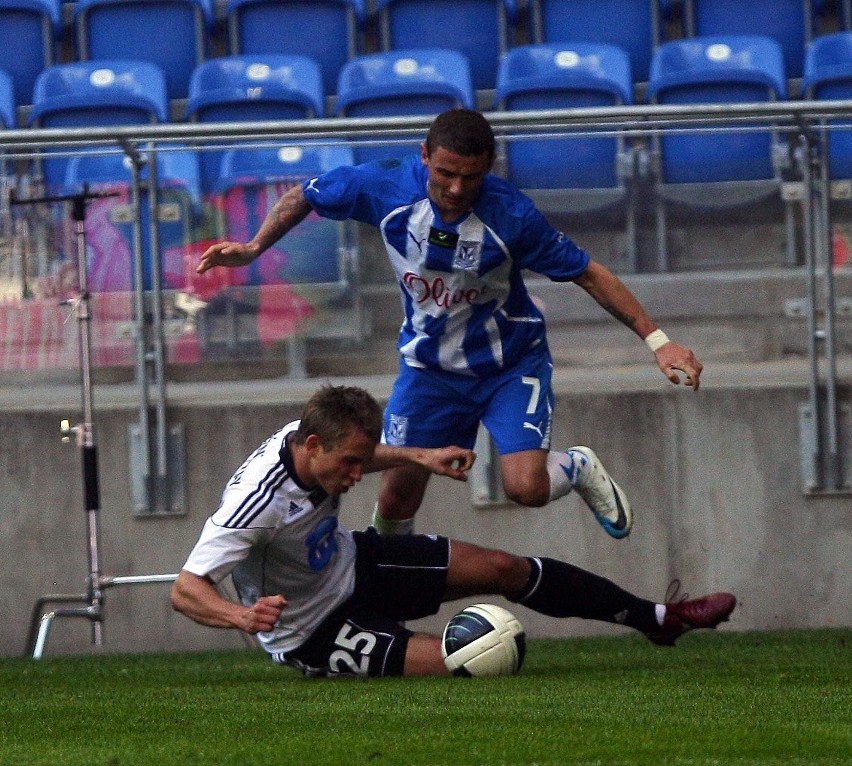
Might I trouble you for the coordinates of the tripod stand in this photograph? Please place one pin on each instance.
(92, 600)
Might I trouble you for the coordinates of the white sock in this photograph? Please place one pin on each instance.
(661, 613)
(392, 526)
(562, 471)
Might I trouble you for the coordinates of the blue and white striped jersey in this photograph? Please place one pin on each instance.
(275, 536)
(466, 307)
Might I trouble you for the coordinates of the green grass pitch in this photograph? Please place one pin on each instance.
(776, 698)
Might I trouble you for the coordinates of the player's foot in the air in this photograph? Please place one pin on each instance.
(604, 497)
(683, 616)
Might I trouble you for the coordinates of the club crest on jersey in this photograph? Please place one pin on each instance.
(397, 430)
(467, 255)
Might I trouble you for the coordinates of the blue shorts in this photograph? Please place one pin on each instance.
(432, 408)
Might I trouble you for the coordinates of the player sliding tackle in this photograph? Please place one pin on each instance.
(331, 601)
(472, 343)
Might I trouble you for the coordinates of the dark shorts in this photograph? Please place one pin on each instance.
(397, 578)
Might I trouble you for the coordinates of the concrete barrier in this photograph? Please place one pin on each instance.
(714, 478)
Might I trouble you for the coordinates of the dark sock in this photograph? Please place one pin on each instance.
(558, 589)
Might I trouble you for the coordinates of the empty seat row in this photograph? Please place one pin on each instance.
(176, 34)
(598, 167)
(249, 185)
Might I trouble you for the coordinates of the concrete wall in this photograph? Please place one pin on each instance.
(713, 476)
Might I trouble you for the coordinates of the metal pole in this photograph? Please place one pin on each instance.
(85, 432)
(808, 226)
(833, 459)
(160, 484)
(140, 325)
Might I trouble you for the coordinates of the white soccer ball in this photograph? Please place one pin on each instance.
(483, 640)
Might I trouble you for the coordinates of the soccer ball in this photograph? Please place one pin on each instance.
(483, 640)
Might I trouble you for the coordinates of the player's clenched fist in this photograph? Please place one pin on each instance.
(263, 614)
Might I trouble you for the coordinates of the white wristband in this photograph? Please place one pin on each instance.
(656, 339)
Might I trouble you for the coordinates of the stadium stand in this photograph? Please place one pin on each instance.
(311, 274)
(251, 182)
(600, 168)
(828, 76)
(7, 101)
(633, 25)
(252, 87)
(399, 83)
(731, 166)
(96, 93)
(790, 22)
(7, 120)
(110, 230)
(30, 30)
(173, 34)
(328, 31)
(481, 30)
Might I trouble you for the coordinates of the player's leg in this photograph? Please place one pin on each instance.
(559, 589)
(519, 418)
(400, 495)
(423, 656)
(424, 410)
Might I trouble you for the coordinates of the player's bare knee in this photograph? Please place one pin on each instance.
(532, 494)
(510, 572)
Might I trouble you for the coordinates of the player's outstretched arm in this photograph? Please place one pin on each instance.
(613, 295)
(290, 210)
(454, 462)
(198, 599)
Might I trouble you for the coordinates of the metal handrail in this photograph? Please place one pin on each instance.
(642, 117)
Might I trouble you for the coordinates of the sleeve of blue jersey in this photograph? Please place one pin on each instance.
(543, 249)
(359, 192)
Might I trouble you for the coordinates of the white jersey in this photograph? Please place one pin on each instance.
(274, 536)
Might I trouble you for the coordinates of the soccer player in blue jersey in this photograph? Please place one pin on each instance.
(472, 343)
(329, 601)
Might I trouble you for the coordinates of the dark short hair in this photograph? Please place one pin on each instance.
(462, 131)
(334, 411)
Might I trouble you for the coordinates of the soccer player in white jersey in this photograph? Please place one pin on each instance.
(472, 344)
(330, 601)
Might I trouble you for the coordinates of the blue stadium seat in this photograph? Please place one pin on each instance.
(7, 101)
(633, 25)
(580, 173)
(310, 273)
(251, 182)
(173, 34)
(789, 22)
(257, 87)
(401, 83)
(7, 120)
(110, 233)
(30, 30)
(727, 167)
(325, 30)
(96, 93)
(479, 29)
(828, 77)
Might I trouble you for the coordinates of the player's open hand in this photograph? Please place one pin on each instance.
(226, 254)
(263, 614)
(672, 357)
(454, 462)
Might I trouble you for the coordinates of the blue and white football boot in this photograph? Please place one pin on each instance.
(604, 497)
